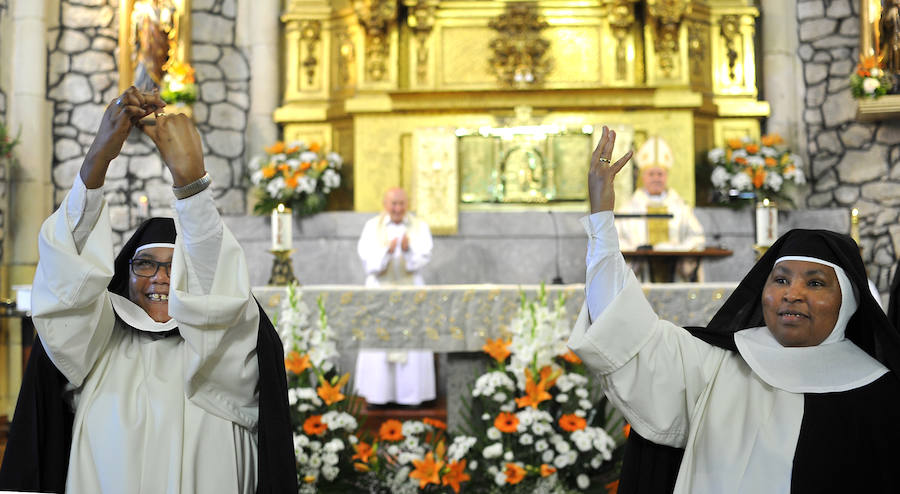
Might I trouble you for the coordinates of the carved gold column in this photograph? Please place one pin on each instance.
(377, 18)
(628, 66)
(733, 28)
(666, 40)
(421, 22)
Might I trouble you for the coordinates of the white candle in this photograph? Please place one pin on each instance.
(766, 223)
(281, 228)
(854, 225)
(143, 207)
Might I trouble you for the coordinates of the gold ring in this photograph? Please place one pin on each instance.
(604, 160)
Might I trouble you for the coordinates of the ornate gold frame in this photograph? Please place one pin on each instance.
(126, 49)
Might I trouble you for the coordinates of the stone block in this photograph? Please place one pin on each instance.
(841, 67)
(838, 9)
(815, 95)
(229, 8)
(57, 68)
(211, 28)
(820, 200)
(806, 52)
(212, 91)
(839, 109)
(86, 117)
(227, 116)
(203, 4)
(810, 9)
(826, 181)
(823, 56)
(234, 65)
(201, 111)
(146, 166)
(119, 215)
(118, 168)
(60, 118)
(895, 164)
(846, 194)
(65, 149)
(64, 130)
(74, 88)
(104, 44)
(857, 135)
(227, 143)
(233, 201)
(886, 193)
(201, 52)
(850, 27)
(835, 41)
(888, 133)
(829, 142)
(894, 233)
(64, 173)
(207, 72)
(91, 62)
(240, 99)
(815, 29)
(80, 16)
(815, 73)
(859, 167)
(72, 41)
(101, 82)
(219, 170)
(838, 84)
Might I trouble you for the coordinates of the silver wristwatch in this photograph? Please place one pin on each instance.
(192, 188)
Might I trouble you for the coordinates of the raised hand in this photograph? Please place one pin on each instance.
(120, 116)
(179, 143)
(602, 172)
(404, 244)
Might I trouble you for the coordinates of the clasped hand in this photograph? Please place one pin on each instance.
(175, 136)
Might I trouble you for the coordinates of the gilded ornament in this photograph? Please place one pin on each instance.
(421, 21)
(697, 41)
(376, 17)
(310, 33)
(621, 19)
(383, 334)
(519, 52)
(666, 17)
(730, 26)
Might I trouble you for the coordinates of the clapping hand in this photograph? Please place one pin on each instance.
(602, 173)
(179, 143)
(120, 116)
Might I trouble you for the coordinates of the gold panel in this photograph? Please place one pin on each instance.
(133, 27)
(463, 56)
(478, 182)
(435, 184)
(735, 128)
(574, 43)
(733, 55)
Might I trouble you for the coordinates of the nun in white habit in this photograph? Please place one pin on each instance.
(791, 388)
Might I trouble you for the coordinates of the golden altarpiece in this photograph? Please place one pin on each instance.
(491, 101)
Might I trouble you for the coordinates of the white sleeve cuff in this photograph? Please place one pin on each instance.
(199, 217)
(604, 239)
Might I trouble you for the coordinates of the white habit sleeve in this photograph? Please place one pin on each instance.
(652, 370)
(373, 254)
(420, 245)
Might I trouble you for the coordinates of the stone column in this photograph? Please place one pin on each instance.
(263, 28)
(31, 192)
(783, 85)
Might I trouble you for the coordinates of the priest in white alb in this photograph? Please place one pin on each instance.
(394, 247)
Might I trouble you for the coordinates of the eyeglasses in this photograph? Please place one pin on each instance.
(147, 268)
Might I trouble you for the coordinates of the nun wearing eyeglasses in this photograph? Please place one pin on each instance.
(791, 388)
(172, 379)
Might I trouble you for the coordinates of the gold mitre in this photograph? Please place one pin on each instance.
(655, 152)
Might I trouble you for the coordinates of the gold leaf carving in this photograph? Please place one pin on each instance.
(666, 17)
(520, 53)
(310, 33)
(376, 17)
(730, 26)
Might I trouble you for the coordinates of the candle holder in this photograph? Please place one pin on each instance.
(282, 268)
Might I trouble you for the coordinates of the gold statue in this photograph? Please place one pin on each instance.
(154, 29)
(890, 36)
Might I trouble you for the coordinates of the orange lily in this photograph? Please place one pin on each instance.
(514, 473)
(427, 471)
(536, 392)
(315, 147)
(626, 429)
(296, 363)
(364, 451)
(437, 424)
(547, 470)
(770, 162)
(612, 487)
(455, 475)
(752, 148)
(305, 165)
(332, 393)
(292, 149)
(276, 148)
(497, 348)
(735, 143)
(571, 358)
(268, 171)
(759, 177)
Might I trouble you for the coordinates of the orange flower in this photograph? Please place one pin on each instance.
(321, 166)
(571, 358)
(740, 160)
(332, 393)
(759, 177)
(292, 149)
(283, 167)
(427, 471)
(455, 475)
(364, 451)
(276, 148)
(735, 143)
(313, 426)
(547, 470)
(305, 165)
(612, 487)
(361, 467)
(296, 363)
(514, 473)
(506, 422)
(770, 162)
(315, 147)
(771, 140)
(869, 62)
(268, 171)
(626, 429)
(752, 148)
(291, 181)
(497, 348)
(571, 422)
(391, 430)
(437, 424)
(536, 392)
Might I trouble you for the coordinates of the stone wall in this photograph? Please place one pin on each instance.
(83, 79)
(852, 164)
(4, 192)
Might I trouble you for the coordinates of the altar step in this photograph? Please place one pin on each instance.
(377, 416)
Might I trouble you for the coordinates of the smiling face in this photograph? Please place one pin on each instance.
(801, 301)
(395, 204)
(152, 294)
(655, 180)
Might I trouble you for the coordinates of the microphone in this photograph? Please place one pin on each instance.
(557, 280)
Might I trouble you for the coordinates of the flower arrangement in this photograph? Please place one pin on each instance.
(536, 422)
(870, 79)
(178, 83)
(297, 175)
(323, 418)
(746, 169)
(7, 144)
